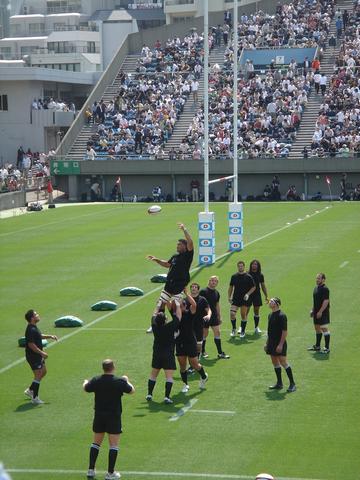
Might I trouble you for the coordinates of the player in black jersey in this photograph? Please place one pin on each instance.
(241, 287)
(255, 298)
(108, 391)
(321, 314)
(165, 333)
(186, 348)
(35, 356)
(179, 269)
(213, 297)
(202, 315)
(276, 345)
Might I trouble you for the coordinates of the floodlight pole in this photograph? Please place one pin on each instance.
(206, 219)
(206, 107)
(235, 214)
(235, 102)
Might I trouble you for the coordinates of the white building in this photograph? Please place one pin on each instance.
(180, 10)
(54, 49)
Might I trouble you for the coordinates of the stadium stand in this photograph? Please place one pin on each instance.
(337, 129)
(298, 24)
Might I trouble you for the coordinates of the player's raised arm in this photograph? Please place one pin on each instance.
(163, 263)
(190, 244)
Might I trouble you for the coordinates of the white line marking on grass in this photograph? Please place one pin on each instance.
(134, 473)
(220, 412)
(55, 223)
(344, 264)
(100, 329)
(85, 327)
(21, 360)
(183, 410)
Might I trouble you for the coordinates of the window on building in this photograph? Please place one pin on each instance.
(36, 28)
(3, 102)
(5, 53)
(91, 47)
(58, 27)
(63, 6)
(28, 49)
(15, 29)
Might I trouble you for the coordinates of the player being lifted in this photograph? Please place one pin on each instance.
(179, 266)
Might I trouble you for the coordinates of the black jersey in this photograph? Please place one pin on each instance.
(258, 280)
(180, 266)
(242, 283)
(32, 335)
(202, 306)
(164, 335)
(321, 293)
(277, 322)
(108, 391)
(213, 298)
(186, 327)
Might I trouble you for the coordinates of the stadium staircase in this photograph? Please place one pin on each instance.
(182, 125)
(311, 113)
(78, 149)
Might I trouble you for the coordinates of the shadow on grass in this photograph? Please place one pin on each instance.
(320, 357)
(275, 395)
(24, 407)
(225, 259)
(180, 400)
(248, 340)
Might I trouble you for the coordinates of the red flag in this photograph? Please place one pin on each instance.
(328, 180)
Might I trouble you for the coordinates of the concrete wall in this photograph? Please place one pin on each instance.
(308, 175)
(12, 200)
(114, 30)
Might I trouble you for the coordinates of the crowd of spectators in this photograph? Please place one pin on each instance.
(270, 104)
(270, 107)
(52, 104)
(31, 170)
(141, 117)
(338, 125)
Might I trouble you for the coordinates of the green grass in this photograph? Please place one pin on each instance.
(61, 261)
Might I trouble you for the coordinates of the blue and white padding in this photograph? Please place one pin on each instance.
(206, 228)
(235, 217)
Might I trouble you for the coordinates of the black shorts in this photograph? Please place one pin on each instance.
(165, 360)
(241, 302)
(324, 320)
(256, 300)
(213, 322)
(107, 422)
(173, 287)
(271, 350)
(186, 349)
(35, 361)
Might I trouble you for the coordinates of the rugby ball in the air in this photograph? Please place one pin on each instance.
(154, 209)
(264, 476)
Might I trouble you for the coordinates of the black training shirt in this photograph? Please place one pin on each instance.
(321, 293)
(108, 391)
(242, 283)
(277, 322)
(186, 327)
(164, 335)
(202, 306)
(32, 335)
(258, 280)
(213, 298)
(180, 266)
